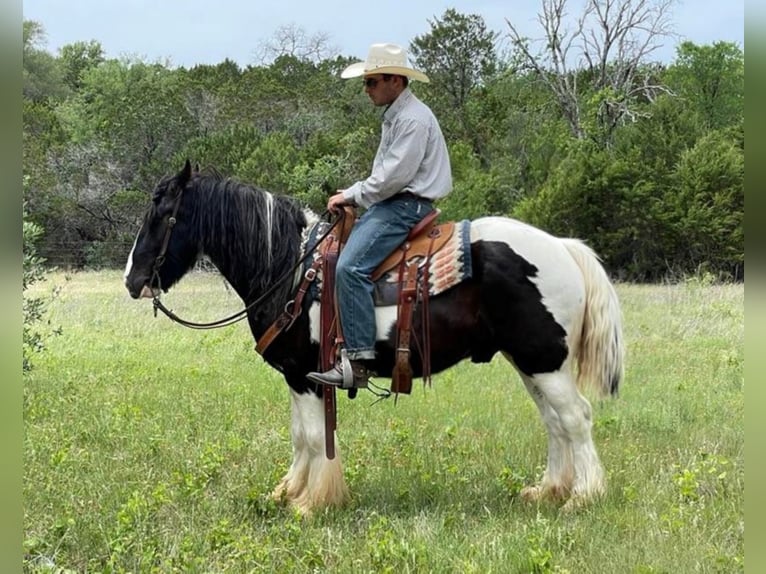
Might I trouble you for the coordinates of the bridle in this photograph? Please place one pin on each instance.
(160, 259)
(239, 315)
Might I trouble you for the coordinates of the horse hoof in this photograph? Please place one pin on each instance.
(538, 493)
(279, 495)
(574, 503)
(531, 493)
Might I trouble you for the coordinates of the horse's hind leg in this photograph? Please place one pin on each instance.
(574, 468)
(556, 483)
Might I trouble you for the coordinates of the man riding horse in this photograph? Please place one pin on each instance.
(410, 170)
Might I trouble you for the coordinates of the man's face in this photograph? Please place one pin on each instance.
(380, 90)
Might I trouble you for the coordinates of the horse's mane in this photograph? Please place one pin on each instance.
(250, 234)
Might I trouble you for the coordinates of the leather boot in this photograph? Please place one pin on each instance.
(345, 374)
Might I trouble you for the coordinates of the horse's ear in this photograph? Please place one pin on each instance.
(196, 169)
(185, 174)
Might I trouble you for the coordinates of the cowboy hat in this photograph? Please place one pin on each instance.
(384, 59)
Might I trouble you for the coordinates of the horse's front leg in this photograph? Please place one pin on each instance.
(313, 481)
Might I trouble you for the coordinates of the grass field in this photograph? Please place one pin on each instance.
(153, 448)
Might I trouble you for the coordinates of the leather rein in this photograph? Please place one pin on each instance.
(239, 315)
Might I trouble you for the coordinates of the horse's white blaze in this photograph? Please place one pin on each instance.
(313, 480)
(129, 264)
(146, 291)
(385, 319)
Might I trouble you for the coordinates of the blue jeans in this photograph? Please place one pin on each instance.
(380, 230)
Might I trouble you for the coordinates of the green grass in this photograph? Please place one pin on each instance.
(153, 448)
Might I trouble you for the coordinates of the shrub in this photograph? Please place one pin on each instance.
(33, 307)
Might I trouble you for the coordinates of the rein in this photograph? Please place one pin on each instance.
(239, 315)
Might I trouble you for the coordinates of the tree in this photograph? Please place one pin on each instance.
(611, 42)
(711, 80)
(133, 112)
(610, 201)
(123, 126)
(478, 191)
(585, 137)
(271, 162)
(294, 41)
(458, 54)
(33, 306)
(204, 94)
(525, 134)
(78, 58)
(710, 199)
(42, 75)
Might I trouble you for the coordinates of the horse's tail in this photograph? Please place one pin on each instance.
(602, 352)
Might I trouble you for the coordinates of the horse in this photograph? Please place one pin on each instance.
(545, 303)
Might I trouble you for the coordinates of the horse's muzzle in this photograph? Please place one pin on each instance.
(145, 292)
(148, 293)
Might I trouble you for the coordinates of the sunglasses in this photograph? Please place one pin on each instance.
(371, 82)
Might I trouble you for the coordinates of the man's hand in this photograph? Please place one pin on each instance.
(336, 202)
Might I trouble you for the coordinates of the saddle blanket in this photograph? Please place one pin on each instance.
(447, 267)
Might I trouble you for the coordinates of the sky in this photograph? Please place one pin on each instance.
(190, 32)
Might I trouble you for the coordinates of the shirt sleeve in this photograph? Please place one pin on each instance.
(395, 167)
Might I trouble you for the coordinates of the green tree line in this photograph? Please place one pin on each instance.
(643, 160)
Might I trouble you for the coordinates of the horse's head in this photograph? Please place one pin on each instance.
(164, 249)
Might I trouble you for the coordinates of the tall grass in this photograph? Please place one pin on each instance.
(152, 448)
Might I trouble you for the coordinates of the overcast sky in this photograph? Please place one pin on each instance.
(189, 32)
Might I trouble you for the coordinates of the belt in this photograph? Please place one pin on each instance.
(410, 195)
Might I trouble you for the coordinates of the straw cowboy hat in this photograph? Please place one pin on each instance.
(384, 59)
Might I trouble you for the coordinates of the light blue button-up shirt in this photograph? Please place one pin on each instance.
(412, 156)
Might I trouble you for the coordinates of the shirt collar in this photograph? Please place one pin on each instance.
(397, 105)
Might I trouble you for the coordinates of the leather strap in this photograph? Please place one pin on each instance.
(426, 322)
(328, 328)
(401, 378)
(291, 311)
(327, 316)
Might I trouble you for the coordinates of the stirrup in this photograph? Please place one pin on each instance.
(344, 374)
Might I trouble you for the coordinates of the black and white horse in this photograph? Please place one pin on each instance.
(545, 303)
